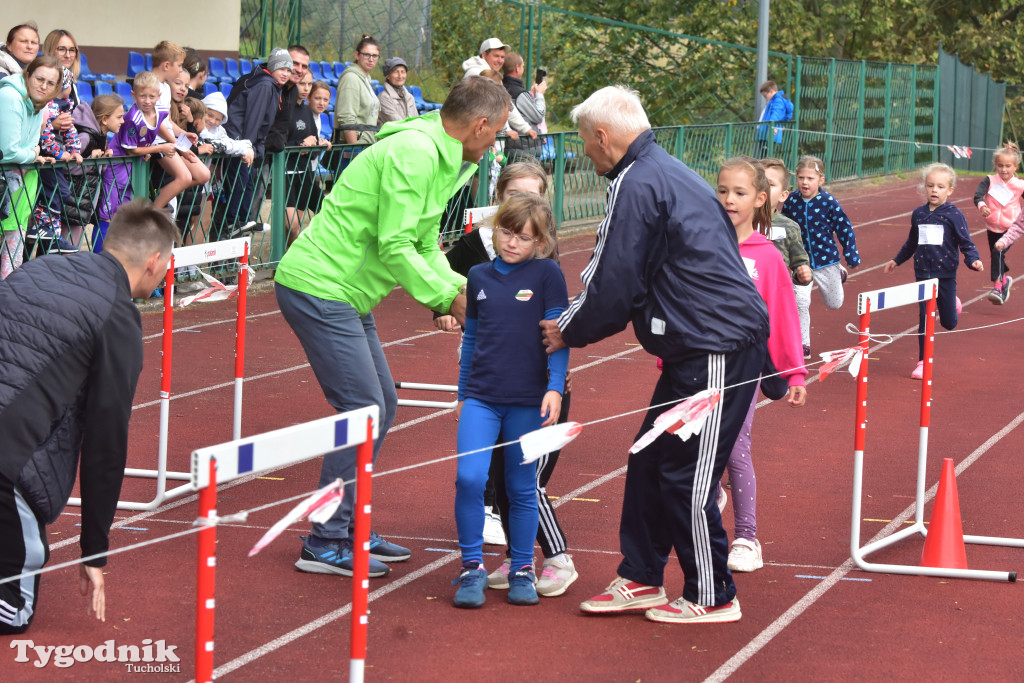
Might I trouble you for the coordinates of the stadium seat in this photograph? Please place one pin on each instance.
(208, 88)
(102, 88)
(231, 65)
(136, 64)
(149, 61)
(125, 91)
(327, 71)
(84, 91)
(87, 75)
(421, 104)
(314, 69)
(326, 124)
(245, 66)
(225, 88)
(339, 68)
(334, 98)
(217, 71)
(378, 89)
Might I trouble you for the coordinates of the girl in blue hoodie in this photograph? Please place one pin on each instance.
(938, 230)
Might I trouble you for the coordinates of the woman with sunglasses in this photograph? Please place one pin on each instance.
(355, 116)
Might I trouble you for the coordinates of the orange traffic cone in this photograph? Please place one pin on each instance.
(944, 545)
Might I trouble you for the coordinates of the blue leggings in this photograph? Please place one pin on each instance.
(480, 425)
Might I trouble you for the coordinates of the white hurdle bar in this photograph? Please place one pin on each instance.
(235, 249)
(417, 386)
(254, 454)
(893, 297)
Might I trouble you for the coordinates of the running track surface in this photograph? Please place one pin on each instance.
(806, 615)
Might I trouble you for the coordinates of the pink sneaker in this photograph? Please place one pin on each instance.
(918, 372)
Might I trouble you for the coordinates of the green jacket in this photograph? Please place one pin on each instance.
(379, 225)
(792, 245)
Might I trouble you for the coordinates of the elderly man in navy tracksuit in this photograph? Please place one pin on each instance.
(667, 260)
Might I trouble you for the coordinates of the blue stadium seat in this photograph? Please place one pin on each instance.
(232, 68)
(245, 65)
(208, 88)
(136, 64)
(225, 88)
(421, 104)
(87, 75)
(84, 91)
(314, 69)
(149, 61)
(334, 98)
(327, 71)
(102, 88)
(339, 68)
(378, 89)
(326, 125)
(217, 71)
(125, 91)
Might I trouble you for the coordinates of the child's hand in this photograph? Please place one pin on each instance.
(167, 149)
(512, 135)
(797, 396)
(552, 407)
(193, 138)
(76, 157)
(985, 211)
(979, 266)
(248, 158)
(458, 410)
(445, 323)
(889, 267)
(1000, 245)
(803, 274)
(324, 141)
(205, 149)
(185, 112)
(97, 153)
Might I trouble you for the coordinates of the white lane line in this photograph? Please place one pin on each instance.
(801, 605)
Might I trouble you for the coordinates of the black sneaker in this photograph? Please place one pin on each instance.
(55, 245)
(250, 227)
(383, 551)
(335, 557)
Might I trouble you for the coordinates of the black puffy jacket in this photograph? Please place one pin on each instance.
(70, 358)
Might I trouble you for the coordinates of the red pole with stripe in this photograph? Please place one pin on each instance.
(205, 576)
(361, 555)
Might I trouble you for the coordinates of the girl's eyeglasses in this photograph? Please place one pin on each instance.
(520, 237)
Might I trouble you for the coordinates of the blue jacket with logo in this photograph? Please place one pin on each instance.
(937, 260)
(821, 217)
(666, 260)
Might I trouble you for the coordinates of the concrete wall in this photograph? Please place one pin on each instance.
(106, 29)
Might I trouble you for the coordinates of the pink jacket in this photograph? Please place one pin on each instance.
(1015, 230)
(1001, 216)
(765, 265)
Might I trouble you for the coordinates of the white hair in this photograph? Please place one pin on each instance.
(616, 106)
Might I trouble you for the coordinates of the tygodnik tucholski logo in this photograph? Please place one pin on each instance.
(150, 657)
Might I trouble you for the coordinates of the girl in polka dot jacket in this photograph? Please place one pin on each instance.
(821, 220)
(938, 231)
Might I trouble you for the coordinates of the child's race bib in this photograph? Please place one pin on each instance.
(930, 234)
(778, 233)
(1001, 193)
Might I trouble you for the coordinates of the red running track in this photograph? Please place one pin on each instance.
(806, 615)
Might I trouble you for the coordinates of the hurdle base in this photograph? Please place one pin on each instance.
(161, 496)
(859, 554)
(420, 386)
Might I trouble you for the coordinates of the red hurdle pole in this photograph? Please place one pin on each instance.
(860, 427)
(361, 555)
(929, 356)
(205, 574)
(243, 287)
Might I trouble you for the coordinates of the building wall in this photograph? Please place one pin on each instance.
(106, 30)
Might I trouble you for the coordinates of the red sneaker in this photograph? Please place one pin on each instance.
(624, 595)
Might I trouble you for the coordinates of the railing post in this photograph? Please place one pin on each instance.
(278, 199)
(680, 149)
(791, 162)
(861, 92)
(559, 178)
(913, 114)
(888, 117)
(830, 112)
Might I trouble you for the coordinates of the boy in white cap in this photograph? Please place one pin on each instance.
(492, 56)
(213, 129)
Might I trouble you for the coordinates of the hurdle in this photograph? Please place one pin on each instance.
(193, 255)
(419, 386)
(894, 297)
(244, 457)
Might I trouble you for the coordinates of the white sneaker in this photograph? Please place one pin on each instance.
(556, 576)
(498, 579)
(723, 498)
(745, 555)
(493, 533)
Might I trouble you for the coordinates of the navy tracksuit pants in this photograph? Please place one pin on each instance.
(669, 499)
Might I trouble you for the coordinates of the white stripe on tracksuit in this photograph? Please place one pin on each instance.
(602, 239)
(35, 555)
(703, 485)
(548, 523)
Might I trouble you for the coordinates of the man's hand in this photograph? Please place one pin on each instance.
(93, 576)
(458, 309)
(552, 335)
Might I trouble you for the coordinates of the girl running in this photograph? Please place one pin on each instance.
(821, 220)
(998, 198)
(743, 190)
(508, 386)
(937, 231)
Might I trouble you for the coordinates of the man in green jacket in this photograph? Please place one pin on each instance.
(378, 229)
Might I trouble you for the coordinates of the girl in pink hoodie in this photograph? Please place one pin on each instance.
(743, 191)
(998, 198)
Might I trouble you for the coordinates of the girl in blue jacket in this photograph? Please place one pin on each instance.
(938, 230)
(821, 221)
